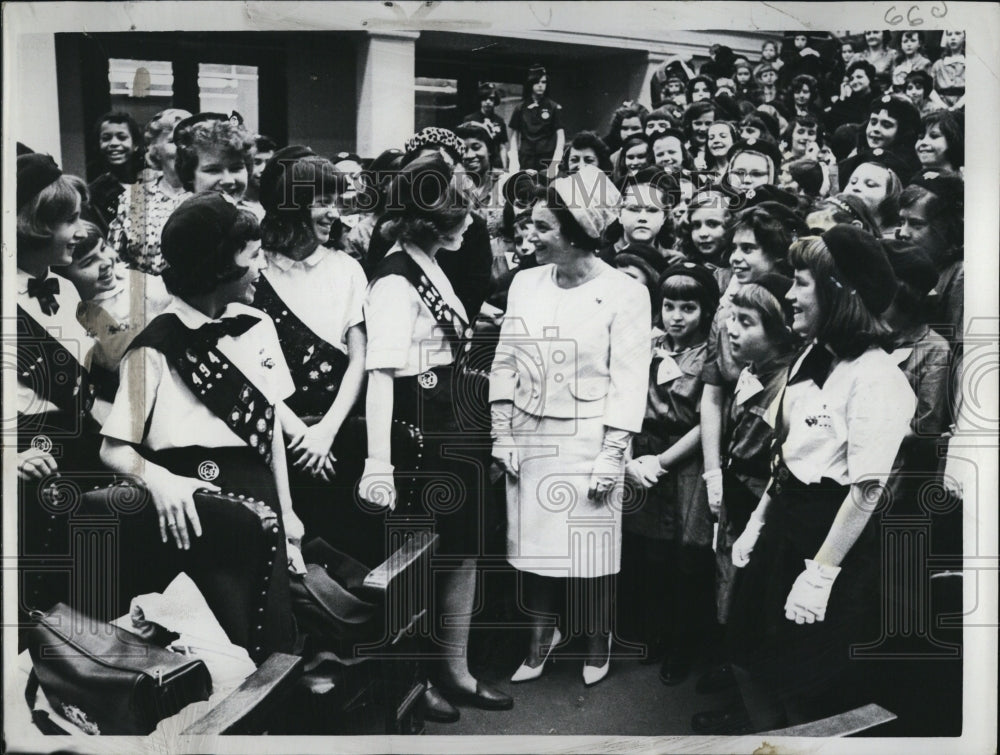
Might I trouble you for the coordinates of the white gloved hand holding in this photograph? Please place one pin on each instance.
(809, 595)
(377, 486)
(608, 464)
(501, 429)
(713, 486)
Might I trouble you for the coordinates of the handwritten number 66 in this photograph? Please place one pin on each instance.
(894, 18)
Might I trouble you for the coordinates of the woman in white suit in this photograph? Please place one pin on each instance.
(567, 391)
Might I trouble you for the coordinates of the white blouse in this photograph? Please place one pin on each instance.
(850, 429)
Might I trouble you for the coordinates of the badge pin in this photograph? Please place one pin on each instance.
(208, 470)
(427, 380)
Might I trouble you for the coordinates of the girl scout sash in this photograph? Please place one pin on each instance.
(50, 369)
(211, 377)
(317, 367)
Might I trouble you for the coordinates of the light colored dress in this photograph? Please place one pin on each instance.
(573, 361)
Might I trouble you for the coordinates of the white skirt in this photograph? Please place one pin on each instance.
(552, 528)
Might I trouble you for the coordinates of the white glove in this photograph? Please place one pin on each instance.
(504, 448)
(809, 595)
(713, 486)
(296, 564)
(744, 544)
(645, 470)
(608, 464)
(377, 486)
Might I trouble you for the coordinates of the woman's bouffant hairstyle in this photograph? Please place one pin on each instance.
(845, 323)
(212, 270)
(685, 288)
(773, 236)
(289, 225)
(162, 123)
(423, 202)
(53, 205)
(773, 316)
(589, 140)
(625, 110)
(870, 71)
(224, 135)
(568, 225)
(951, 124)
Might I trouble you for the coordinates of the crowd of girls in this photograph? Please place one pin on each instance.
(703, 346)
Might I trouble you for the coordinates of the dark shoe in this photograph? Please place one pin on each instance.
(437, 709)
(674, 670)
(732, 720)
(485, 697)
(717, 679)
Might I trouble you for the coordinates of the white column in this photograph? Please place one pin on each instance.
(386, 98)
(34, 97)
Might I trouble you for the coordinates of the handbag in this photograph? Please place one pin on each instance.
(108, 680)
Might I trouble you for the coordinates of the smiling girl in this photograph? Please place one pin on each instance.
(940, 145)
(839, 425)
(721, 138)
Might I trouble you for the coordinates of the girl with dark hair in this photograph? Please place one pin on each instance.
(586, 148)
(626, 121)
(910, 59)
(634, 155)
(802, 139)
(536, 131)
(535, 399)
(880, 55)
(416, 326)
(940, 145)
(489, 99)
(668, 151)
(700, 88)
(919, 89)
(839, 425)
(746, 86)
(208, 329)
(120, 149)
(892, 126)
(753, 126)
(719, 143)
(803, 97)
(668, 530)
(314, 294)
(697, 118)
(856, 94)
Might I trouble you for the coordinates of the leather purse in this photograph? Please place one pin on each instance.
(107, 680)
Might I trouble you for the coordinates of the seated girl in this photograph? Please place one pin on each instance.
(214, 361)
(113, 310)
(55, 397)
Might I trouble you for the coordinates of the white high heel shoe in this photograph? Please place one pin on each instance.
(526, 673)
(593, 674)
